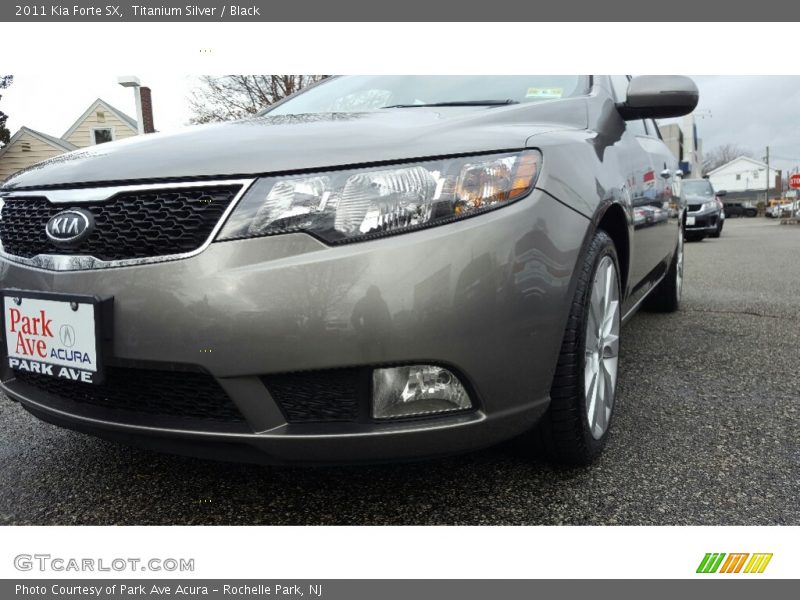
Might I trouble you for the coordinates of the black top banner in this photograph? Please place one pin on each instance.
(406, 10)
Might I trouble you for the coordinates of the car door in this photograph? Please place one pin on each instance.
(647, 158)
(664, 235)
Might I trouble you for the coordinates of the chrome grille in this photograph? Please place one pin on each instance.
(130, 225)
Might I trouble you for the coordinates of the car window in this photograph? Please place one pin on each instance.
(367, 92)
(619, 83)
(697, 187)
(636, 127)
(652, 128)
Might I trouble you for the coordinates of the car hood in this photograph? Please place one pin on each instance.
(275, 144)
(698, 199)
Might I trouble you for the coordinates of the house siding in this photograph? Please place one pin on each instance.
(15, 159)
(81, 137)
(751, 181)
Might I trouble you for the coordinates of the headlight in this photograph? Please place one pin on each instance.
(340, 206)
(709, 205)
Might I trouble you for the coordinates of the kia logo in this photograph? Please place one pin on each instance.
(70, 227)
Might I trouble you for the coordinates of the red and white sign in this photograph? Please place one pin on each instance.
(794, 181)
(51, 337)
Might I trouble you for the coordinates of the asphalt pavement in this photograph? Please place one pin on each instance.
(706, 432)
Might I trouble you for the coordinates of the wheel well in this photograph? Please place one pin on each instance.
(615, 225)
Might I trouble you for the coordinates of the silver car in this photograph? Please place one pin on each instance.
(705, 215)
(376, 268)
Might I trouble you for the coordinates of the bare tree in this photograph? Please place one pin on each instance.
(723, 154)
(5, 134)
(231, 97)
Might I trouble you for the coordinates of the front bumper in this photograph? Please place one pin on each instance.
(487, 296)
(703, 222)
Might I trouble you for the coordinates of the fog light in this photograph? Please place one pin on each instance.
(416, 390)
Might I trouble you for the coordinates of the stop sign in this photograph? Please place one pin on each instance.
(794, 181)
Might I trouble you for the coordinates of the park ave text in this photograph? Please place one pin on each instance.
(33, 335)
(33, 340)
(136, 10)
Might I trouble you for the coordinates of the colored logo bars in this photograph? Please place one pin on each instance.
(719, 562)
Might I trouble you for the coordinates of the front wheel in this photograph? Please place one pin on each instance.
(718, 230)
(575, 428)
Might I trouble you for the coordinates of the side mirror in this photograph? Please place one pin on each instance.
(659, 97)
(722, 193)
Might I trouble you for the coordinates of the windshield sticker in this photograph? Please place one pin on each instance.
(545, 93)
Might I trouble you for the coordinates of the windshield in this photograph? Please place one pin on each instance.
(360, 93)
(698, 187)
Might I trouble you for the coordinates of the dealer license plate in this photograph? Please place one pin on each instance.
(690, 221)
(52, 335)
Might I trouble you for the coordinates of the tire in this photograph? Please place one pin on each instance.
(565, 433)
(718, 232)
(667, 295)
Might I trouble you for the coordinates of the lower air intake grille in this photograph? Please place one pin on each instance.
(318, 396)
(180, 394)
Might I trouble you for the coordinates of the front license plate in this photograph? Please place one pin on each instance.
(52, 335)
(690, 221)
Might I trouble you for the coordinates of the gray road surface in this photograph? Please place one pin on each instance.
(706, 433)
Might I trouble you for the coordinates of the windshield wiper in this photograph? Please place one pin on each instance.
(457, 103)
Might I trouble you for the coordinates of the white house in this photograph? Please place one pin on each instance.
(99, 123)
(745, 178)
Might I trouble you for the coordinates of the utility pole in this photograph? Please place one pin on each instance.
(766, 195)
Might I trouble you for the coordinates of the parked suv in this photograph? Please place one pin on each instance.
(705, 216)
(376, 268)
(740, 209)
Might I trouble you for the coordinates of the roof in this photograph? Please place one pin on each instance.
(42, 137)
(51, 139)
(737, 159)
(93, 107)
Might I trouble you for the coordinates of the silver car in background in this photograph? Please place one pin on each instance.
(705, 215)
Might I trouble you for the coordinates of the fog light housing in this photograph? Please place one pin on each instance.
(416, 390)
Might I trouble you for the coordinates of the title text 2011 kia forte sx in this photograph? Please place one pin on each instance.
(375, 268)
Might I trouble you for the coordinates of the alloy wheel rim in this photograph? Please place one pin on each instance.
(602, 347)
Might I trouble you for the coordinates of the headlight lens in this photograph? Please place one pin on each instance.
(341, 206)
(710, 205)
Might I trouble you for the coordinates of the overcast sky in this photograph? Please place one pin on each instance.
(750, 111)
(51, 103)
(753, 112)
